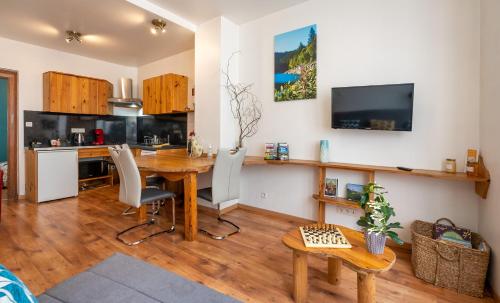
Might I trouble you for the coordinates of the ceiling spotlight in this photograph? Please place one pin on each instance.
(159, 26)
(73, 36)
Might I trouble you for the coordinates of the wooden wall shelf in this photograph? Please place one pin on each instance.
(482, 182)
(338, 201)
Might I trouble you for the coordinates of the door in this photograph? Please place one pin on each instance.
(4, 145)
(84, 95)
(157, 95)
(93, 96)
(166, 94)
(180, 93)
(88, 95)
(147, 96)
(104, 90)
(69, 99)
(57, 174)
(52, 91)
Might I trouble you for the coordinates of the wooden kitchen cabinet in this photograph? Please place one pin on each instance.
(105, 91)
(66, 93)
(165, 94)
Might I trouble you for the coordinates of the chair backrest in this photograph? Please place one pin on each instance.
(226, 176)
(130, 178)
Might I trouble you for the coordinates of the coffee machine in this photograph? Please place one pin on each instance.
(99, 137)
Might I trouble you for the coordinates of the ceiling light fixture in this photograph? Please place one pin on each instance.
(73, 36)
(159, 26)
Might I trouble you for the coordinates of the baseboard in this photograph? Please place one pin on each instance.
(494, 295)
(19, 197)
(213, 211)
(228, 209)
(406, 247)
(274, 214)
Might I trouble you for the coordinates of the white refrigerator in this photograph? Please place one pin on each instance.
(57, 174)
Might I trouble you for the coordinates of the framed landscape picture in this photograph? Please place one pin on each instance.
(331, 185)
(295, 64)
(354, 192)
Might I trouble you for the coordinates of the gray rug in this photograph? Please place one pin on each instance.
(122, 278)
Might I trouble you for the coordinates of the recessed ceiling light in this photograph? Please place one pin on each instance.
(159, 26)
(73, 36)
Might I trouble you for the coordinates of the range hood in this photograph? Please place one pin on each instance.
(125, 95)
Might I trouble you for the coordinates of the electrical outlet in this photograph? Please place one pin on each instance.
(346, 211)
(29, 124)
(263, 195)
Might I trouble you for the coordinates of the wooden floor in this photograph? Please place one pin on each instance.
(52, 242)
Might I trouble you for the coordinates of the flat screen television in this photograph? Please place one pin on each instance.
(376, 107)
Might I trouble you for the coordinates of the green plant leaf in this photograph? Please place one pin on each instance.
(394, 236)
(394, 225)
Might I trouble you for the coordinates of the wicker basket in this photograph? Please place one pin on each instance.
(449, 265)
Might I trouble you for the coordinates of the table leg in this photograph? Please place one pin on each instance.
(143, 178)
(190, 207)
(300, 276)
(142, 213)
(366, 288)
(334, 270)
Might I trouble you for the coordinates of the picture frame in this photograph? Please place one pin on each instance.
(354, 192)
(331, 187)
(295, 64)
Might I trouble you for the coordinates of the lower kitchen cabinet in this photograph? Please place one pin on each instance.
(51, 174)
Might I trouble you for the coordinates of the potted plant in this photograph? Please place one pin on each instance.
(375, 221)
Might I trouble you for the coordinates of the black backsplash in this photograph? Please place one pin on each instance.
(117, 129)
(172, 126)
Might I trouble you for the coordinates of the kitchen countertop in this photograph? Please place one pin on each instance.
(72, 147)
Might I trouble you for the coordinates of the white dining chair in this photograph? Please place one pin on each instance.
(132, 194)
(225, 185)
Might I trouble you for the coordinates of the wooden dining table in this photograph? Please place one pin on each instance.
(175, 165)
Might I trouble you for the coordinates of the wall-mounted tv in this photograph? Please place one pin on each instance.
(376, 107)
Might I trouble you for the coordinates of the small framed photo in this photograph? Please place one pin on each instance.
(331, 186)
(354, 192)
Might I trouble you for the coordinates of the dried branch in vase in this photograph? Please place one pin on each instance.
(245, 106)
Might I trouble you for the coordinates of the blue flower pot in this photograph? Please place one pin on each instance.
(375, 243)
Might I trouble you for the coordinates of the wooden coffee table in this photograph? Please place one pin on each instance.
(356, 258)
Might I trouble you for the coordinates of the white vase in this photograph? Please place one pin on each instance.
(324, 151)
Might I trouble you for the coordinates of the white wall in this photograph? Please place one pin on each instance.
(229, 48)
(32, 61)
(215, 41)
(434, 44)
(207, 79)
(489, 225)
(181, 64)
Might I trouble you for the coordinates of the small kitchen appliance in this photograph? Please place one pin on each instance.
(78, 139)
(99, 137)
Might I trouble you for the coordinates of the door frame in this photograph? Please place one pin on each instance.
(12, 131)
